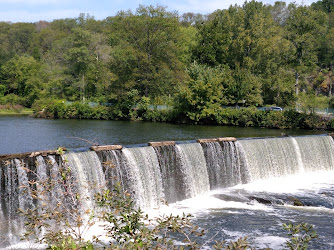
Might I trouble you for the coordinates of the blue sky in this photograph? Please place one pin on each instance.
(48, 10)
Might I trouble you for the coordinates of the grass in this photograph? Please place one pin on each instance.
(24, 111)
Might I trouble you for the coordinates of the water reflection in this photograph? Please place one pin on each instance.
(23, 134)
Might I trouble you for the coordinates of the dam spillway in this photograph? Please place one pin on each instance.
(162, 172)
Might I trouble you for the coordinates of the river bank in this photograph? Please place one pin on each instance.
(243, 117)
(12, 111)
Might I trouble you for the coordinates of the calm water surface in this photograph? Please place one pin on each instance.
(20, 134)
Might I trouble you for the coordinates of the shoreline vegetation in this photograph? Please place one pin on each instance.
(250, 55)
(242, 116)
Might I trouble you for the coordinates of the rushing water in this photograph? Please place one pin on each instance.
(233, 188)
(25, 134)
(234, 212)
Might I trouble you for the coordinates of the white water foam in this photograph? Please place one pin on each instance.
(201, 205)
(272, 242)
(314, 181)
(204, 204)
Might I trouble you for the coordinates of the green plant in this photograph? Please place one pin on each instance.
(300, 235)
(129, 228)
(239, 244)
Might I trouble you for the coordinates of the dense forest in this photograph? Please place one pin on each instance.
(250, 55)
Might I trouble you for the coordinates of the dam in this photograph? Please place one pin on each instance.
(164, 171)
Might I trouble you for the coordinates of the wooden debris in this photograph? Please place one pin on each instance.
(207, 140)
(31, 154)
(161, 143)
(227, 139)
(106, 147)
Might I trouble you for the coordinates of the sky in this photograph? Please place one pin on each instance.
(48, 10)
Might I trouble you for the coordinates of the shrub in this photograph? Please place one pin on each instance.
(11, 99)
(57, 109)
(300, 235)
(330, 124)
(331, 102)
(100, 113)
(159, 115)
(80, 110)
(2, 90)
(294, 119)
(274, 119)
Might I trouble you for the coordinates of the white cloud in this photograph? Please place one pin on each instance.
(25, 16)
(204, 7)
(32, 2)
(208, 6)
(20, 12)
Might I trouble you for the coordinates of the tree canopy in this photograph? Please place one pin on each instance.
(249, 54)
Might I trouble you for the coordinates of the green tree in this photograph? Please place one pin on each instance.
(324, 5)
(303, 28)
(280, 88)
(21, 36)
(86, 60)
(243, 87)
(202, 96)
(5, 47)
(79, 59)
(145, 50)
(310, 102)
(21, 76)
(239, 37)
(250, 42)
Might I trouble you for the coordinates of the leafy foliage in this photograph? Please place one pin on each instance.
(259, 48)
(252, 54)
(203, 94)
(300, 235)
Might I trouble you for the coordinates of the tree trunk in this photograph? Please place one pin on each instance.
(297, 83)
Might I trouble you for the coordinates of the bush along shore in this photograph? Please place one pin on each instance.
(243, 117)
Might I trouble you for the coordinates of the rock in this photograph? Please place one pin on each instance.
(261, 200)
(296, 202)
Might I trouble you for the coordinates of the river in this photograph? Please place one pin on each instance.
(26, 134)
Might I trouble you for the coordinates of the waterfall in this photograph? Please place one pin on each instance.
(115, 168)
(193, 168)
(298, 155)
(145, 173)
(152, 174)
(173, 182)
(14, 195)
(317, 152)
(275, 157)
(225, 163)
(271, 157)
(48, 168)
(87, 174)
